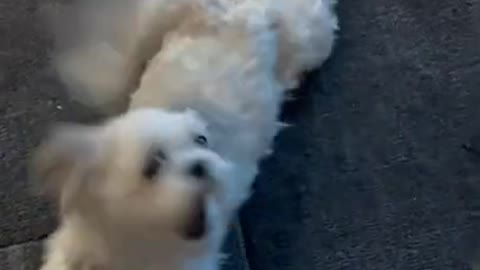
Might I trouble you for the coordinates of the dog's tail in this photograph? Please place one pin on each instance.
(306, 33)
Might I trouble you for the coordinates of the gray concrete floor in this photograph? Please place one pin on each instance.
(380, 170)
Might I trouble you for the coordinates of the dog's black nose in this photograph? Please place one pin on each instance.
(198, 170)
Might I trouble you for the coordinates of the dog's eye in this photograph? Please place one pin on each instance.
(201, 140)
(154, 164)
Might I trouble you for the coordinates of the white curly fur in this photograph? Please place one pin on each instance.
(172, 69)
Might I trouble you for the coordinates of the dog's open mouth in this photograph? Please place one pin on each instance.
(195, 227)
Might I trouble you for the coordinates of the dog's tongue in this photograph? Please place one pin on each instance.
(196, 226)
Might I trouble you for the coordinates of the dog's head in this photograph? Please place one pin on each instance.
(148, 170)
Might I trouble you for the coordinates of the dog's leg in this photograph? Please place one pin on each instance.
(108, 56)
(71, 248)
(57, 261)
(56, 258)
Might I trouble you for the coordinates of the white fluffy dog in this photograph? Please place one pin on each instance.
(197, 87)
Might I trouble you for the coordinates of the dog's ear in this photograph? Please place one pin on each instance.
(65, 159)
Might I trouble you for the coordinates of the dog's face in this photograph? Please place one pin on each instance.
(148, 171)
